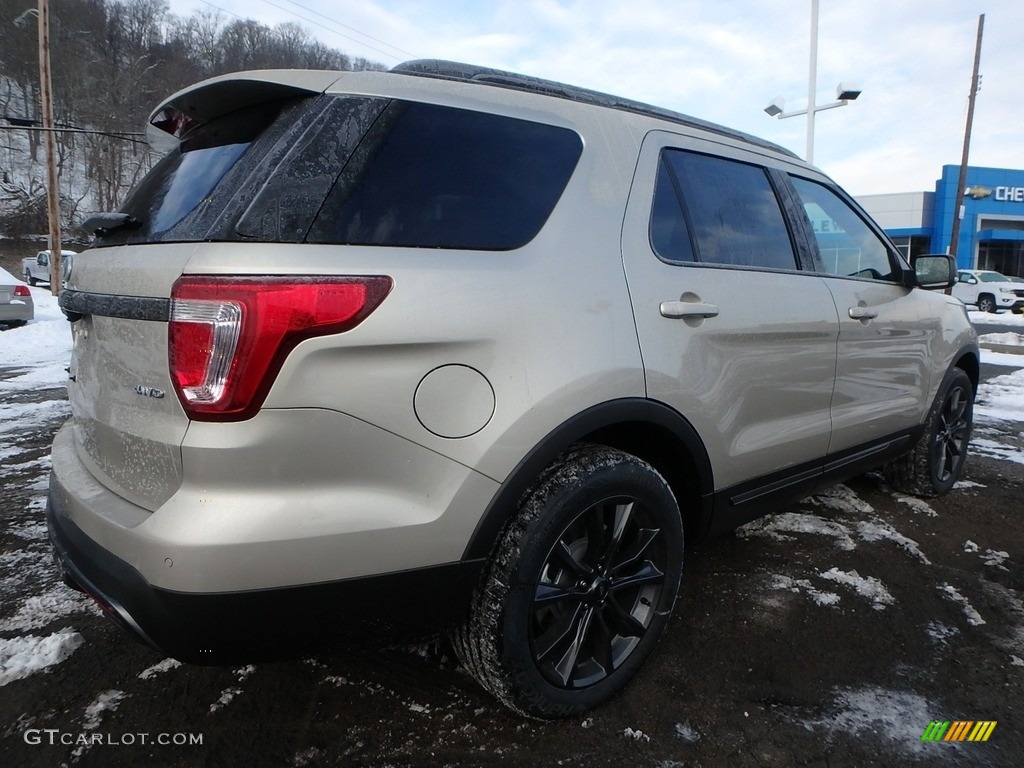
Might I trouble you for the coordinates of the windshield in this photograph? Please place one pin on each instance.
(991, 277)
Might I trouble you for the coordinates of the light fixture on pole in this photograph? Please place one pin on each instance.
(845, 92)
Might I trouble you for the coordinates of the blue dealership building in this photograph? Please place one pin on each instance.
(992, 229)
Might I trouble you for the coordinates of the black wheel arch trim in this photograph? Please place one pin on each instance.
(610, 415)
(968, 359)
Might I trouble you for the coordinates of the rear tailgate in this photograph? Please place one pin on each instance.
(128, 422)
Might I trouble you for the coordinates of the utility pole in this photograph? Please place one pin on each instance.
(52, 191)
(962, 183)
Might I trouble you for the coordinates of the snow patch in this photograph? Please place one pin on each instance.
(108, 701)
(880, 531)
(1016, 661)
(842, 499)
(1002, 397)
(778, 581)
(159, 668)
(865, 586)
(226, 697)
(994, 450)
(962, 484)
(897, 716)
(629, 733)
(916, 505)
(687, 733)
(777, 526)
(26, 655)
(940, 633)
(39, 610)
(973, 617)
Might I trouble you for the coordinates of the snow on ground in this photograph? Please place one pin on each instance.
(1002, 397)
(1000, 318)
(953, 594)
(865, 586)
(897, 716)
(44, 345)
(26, 655)
(1009, 339)
(159, 668)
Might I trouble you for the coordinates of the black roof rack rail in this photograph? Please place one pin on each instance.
(452, 70)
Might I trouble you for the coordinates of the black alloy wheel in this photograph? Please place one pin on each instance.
(597, 592)
(952, 432)
(580, 586)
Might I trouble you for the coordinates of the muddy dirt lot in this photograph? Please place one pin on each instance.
(829, 635)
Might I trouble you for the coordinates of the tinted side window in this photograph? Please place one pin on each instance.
(437, 177)
(847, 244)
(729, 207)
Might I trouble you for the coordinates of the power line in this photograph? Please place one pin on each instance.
(357, 31)
(334, 31)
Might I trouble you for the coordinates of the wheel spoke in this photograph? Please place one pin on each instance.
(547, 594)
(637, 549)
(625, 624)
(622, 515)
(648, 574)
(602, 641)
(564, 556)
(566, 665)
(597, 536)
(560, 633)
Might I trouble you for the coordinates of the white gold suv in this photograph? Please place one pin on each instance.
(458, 343)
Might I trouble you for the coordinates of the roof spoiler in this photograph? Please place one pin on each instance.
(202, 102)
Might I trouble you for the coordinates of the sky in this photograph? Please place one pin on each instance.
(725, 61)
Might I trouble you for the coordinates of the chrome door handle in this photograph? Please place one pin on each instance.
(675, 310)
(863, 313)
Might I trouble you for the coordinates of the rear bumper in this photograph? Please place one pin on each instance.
(225, 628)
(23, 311)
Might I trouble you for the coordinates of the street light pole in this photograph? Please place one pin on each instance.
(52, 191)
(846, 92)
(812, 81)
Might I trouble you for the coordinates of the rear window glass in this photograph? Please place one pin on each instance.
(176, 199)
(437, 177)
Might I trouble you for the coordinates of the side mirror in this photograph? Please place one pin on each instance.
(934, 272)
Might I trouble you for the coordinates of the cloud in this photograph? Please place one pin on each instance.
(725, 61)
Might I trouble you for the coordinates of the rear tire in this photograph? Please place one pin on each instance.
(933, 466)
(579, 587)
(29, 279)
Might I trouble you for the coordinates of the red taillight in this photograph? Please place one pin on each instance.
(21, 290)
(229, 336)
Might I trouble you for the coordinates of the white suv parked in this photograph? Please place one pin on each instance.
(453, 343)
(989, 291)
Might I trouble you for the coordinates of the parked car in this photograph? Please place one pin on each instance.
(453, 343)
(37, 270)
(16, 307)
(989, 291)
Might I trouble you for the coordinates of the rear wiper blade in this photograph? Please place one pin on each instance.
(105, 223)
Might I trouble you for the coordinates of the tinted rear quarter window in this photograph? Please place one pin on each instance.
(438, 177)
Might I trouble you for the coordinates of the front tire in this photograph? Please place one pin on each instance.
(580, 586)
(987, 303)
(933, 466)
